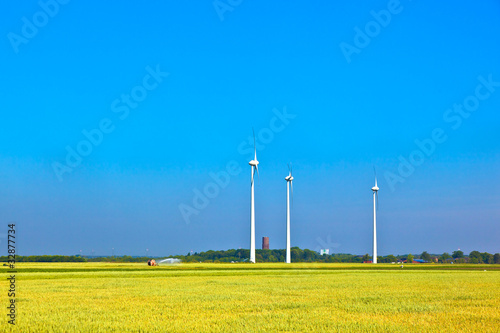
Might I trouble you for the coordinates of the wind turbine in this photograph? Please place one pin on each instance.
(289, 186)
(375, 206)
(254, 163)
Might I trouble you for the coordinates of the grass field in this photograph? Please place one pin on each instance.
(100, 297)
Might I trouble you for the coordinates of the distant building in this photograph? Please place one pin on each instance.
(324, 251)
(265, 243)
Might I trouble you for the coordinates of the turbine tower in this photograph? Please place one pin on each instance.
(375, 206)
(289, 186)
(254, 163)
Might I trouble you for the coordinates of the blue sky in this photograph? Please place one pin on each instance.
(174, 90)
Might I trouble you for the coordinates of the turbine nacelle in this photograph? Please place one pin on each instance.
(289, 178)
(375, 188)
(253, 163)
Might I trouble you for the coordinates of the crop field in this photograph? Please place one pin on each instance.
(104, 297)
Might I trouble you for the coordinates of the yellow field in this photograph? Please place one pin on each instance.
(99, 297)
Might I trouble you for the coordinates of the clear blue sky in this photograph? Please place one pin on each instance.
(354, 100)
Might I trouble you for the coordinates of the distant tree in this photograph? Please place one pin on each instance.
(458, 254)
(333, 259)
(487, 258)
(391, 258)
(409, 259)
(309, 255)
(475, 257)
(444, 257)
(265, 254)
(366, 257)
(496, 258)
(425, 256)
(297, 254)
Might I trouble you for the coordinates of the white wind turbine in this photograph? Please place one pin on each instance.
(289, 186)
(254, 163)
(375, 206)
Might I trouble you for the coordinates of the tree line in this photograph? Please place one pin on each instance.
(298, 255)
(45, 258)
(75, 258)
(475, 257)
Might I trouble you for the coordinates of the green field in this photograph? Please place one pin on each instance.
(100, 297)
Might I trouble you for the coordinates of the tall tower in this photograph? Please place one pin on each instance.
(375, 199)
(254, 164)
(265, 243)
(289, 186)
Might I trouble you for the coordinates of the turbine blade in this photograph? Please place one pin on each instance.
(258, 174)
(254, 145)
(375, 172)
(377, 199)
